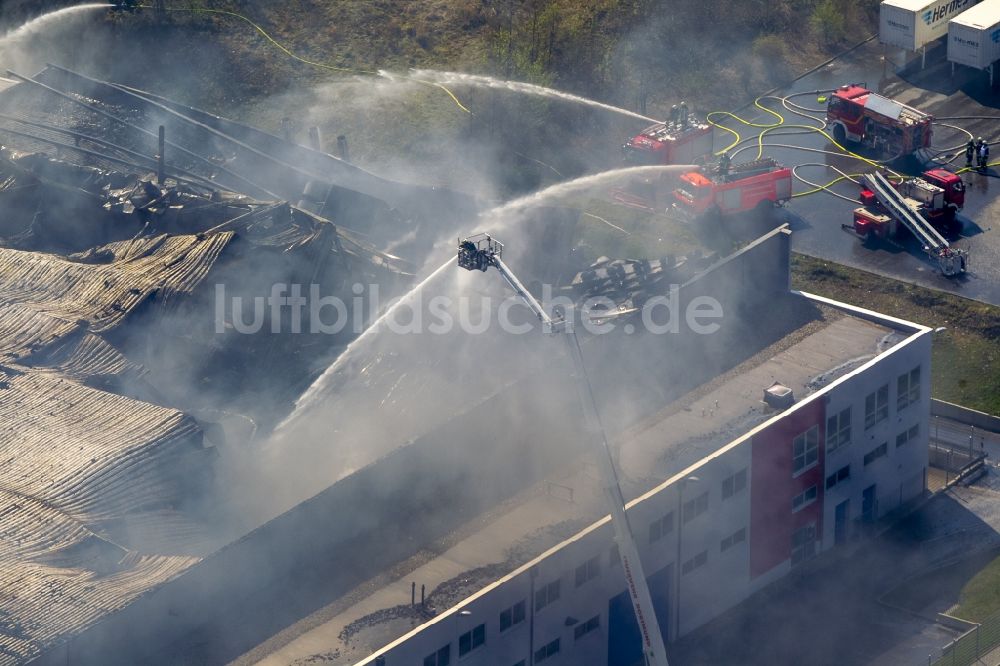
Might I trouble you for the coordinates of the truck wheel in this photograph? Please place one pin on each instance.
(839, 134)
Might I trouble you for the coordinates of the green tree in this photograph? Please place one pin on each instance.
(829, 21)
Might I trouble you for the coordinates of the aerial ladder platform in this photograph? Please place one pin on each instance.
(481, 252)
(951, 261)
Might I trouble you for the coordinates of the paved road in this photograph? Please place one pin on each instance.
(816, 219)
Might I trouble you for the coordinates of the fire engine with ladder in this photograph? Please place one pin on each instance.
(888, 209)
(858, 115)
(682, 141)
(756, 185)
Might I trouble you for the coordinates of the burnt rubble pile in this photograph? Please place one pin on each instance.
(115, 364)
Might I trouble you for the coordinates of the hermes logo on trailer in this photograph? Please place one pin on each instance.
(943, 10)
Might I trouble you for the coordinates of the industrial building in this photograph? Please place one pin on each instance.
(746, 492)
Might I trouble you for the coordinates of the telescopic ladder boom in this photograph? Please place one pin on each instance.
(479, 253)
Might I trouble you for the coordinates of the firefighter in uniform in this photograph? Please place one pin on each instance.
(724, 162)
(970, 153)
(984, 155)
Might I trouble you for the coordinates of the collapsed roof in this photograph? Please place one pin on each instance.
(101, 264)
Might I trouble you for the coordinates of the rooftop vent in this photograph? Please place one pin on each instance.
(779, 396)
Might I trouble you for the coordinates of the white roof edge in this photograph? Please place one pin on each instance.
(862, 313)
(984, 15)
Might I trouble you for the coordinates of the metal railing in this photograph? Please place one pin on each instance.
(955, 447)
(971, 646)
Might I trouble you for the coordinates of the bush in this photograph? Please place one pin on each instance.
(829, 22)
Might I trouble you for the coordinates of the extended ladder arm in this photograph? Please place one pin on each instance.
(951, 261)
(894, 203)
(479, 253)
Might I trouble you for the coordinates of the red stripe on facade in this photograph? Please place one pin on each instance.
(773, 485)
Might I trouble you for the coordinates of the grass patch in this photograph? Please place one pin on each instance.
(965, 358)
(980, 597)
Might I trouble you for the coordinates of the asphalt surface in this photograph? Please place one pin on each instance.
(816, 219)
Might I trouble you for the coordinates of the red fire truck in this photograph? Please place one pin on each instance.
(892, 129)
(888, 209)
(938, 195)
(670, 143)
(757, 184)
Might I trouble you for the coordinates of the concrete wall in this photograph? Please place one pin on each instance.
(972, 417)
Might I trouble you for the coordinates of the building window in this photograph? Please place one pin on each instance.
(523, 662)
(908, 388)
(661, 528)
(546, 595)
(876, 453)
(546, 651)
(588, 570)
(907, 435)
(803, 543)
(696, 562)
(877, 407)
(511, 617)
(471, 640)
(584, 628)
(842, 474)
(838, 430)
(440, 658)
(695, 507)
(804, 499)
(734, 484)
(805, 450)
(739, 536)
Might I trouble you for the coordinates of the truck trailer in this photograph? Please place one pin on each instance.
(913, 24)
(974, 37)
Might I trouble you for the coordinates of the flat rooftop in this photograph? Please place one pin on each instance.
(379, 611)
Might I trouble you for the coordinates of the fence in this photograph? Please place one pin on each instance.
(970, 646)
(955, 447)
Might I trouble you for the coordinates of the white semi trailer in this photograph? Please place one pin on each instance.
(974, 37)
(913, 24)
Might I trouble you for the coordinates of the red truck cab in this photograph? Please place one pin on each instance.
(951, 183)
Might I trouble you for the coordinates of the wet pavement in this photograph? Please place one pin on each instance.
(816, 219)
